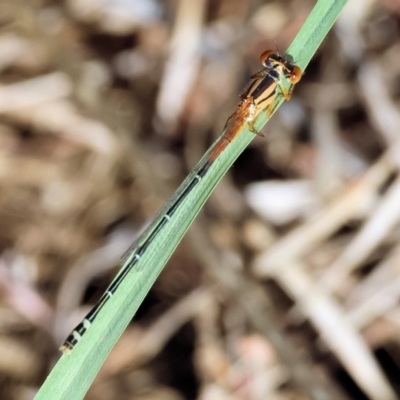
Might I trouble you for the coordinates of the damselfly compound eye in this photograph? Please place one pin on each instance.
(295, 75)
(264, 58)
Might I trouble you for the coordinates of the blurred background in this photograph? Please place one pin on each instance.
(287, 286)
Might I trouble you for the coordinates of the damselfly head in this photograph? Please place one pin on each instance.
(282, 64)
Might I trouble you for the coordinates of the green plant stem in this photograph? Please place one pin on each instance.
(73, 374)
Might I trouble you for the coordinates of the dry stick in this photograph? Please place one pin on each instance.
(213, 365)
(372, 234)
(377, 294)
(282, 261)
(311, 234)
(257, 307)
(386, 118)
(385, 115)
(329, 319)
(182, 67)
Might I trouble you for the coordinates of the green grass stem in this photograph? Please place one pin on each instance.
(73, 374)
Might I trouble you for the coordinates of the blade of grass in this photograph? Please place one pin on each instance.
(74, 373)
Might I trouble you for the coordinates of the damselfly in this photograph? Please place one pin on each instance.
(260, 96)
